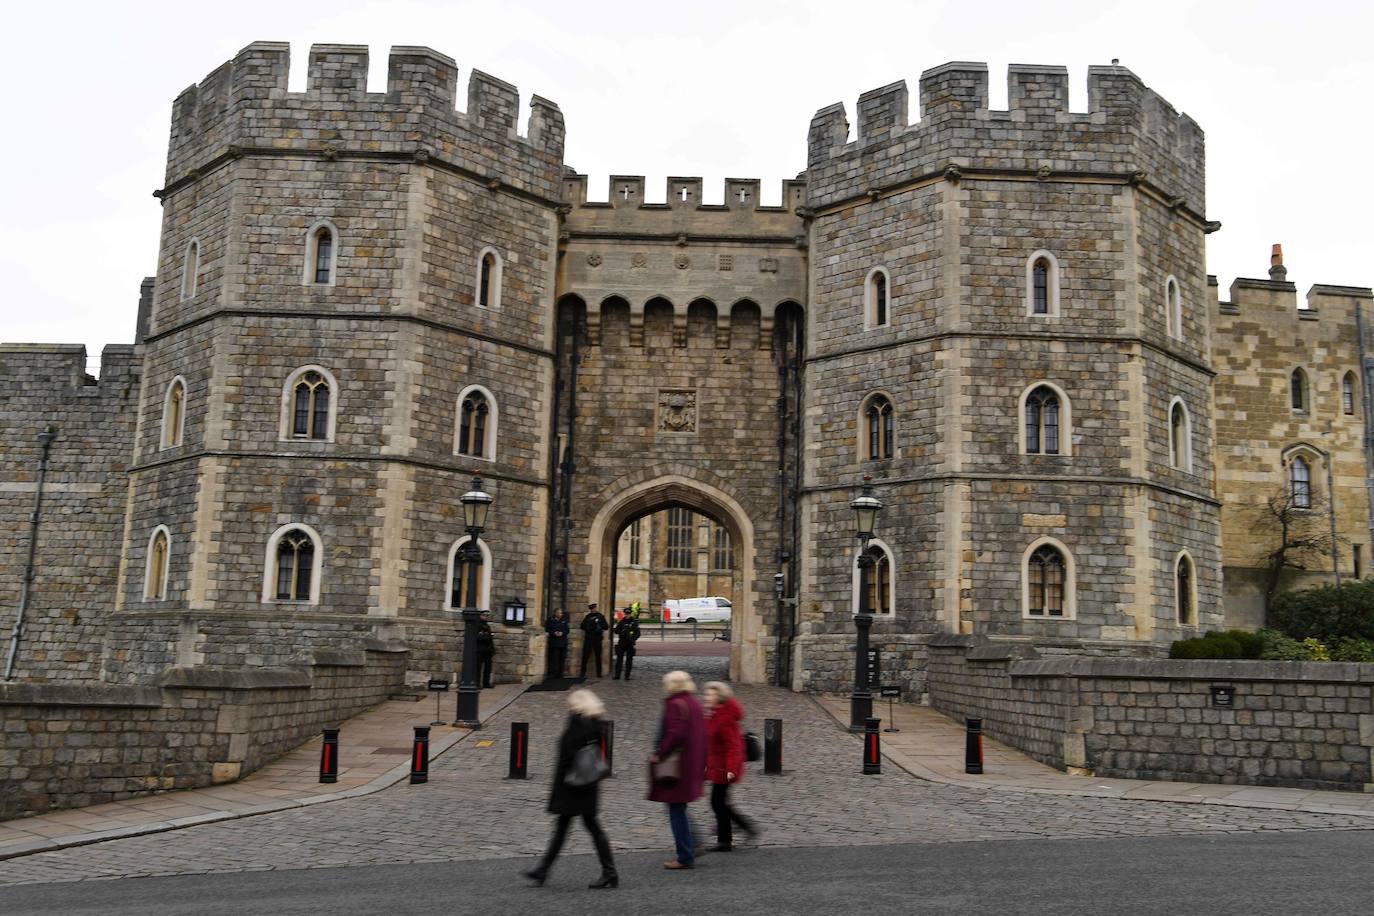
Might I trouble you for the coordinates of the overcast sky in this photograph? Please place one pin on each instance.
(706, 88)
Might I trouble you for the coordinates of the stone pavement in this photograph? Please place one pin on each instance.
(929, 745)
(470, 811)
(375, 751)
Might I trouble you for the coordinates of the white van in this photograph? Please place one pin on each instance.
(697, 610)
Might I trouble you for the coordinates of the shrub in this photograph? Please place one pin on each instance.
(1327, 613)
(1280, 647)
(1352, 650)
(1230, 644)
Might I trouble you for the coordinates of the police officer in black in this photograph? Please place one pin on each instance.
(593, 625)
(557, 628)
(486, 650)
(626, 635)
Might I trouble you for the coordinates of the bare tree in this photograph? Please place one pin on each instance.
(1302, 538)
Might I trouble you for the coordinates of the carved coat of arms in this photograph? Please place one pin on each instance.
(677, 410)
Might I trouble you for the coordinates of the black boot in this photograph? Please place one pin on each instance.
(539, 874)
(609, 878)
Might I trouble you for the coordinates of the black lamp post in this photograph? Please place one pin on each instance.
(866, 507)
(475, 505)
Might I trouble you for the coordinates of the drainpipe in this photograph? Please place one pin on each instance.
(1331, 512)
(1365, 407)
(45, 439)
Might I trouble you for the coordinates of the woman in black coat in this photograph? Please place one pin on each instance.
(567, 801)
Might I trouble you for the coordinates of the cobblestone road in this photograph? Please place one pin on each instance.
(470, 811)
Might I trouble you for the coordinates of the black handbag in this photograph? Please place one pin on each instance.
(753, 748)
(587, 767)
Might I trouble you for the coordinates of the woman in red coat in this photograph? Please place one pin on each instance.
(725, 762)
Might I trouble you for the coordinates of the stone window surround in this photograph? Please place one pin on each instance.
(870, 305)
(1065, 421)
(1173, 307)
(483, 576)
(861, 454)
(171, 438)
(311, 240)
(498, 269)
(493, 416)
(1315, 459)
(269, 570)
(157, 591)
(1186, 465)
(1306, 381)
(1192, 587)
(1349, 393)
(288, 392)
(891, 579)
(1052, 285)
(190, 268)
(1070, 580)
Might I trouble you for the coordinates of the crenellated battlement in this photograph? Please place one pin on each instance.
(245, 104)
(1128, 130)
(626, 210)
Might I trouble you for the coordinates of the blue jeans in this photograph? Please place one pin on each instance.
(682, 832)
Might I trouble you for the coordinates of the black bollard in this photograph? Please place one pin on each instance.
(329, 756)
(772, 746)
(519, 750)
(419, 758)
(873, 758)
(608, 747)
(973, 746)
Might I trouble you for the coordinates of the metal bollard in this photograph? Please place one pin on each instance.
(873, 759)
(973, 746)
(329, 756)
(419, 758)
(772, 746)
(608, 748)
(519, 750)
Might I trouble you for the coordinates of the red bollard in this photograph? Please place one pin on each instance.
(519, 750)
(873, 758)
(608, 747)
(329, 756)
(419, 758)
(973, 747)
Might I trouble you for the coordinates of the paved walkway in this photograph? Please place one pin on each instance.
(374, 753)
(470, 811)
(930, 746)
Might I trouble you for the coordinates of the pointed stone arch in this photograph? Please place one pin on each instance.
(665, 487)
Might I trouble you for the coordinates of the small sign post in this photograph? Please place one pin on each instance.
(891, 692)
(437, 685)
(875, 679)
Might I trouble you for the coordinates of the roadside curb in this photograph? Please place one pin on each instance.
(385, 781)
(926, 774)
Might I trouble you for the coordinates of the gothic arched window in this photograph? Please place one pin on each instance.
(321, 252)
(1173, 308)
(1348, 394)
(1183, 590)
(474, 425)
(1047, 582)
(877, 292)
(310, 407)
(878, 428)
(1297, 390)
(489, 279)
(173, 413)
(460, 568)
(190, 269)
(879, 581)
(295, 566)
(1300, 483)
(155, 573)
(1180, 437)
(1043, 427)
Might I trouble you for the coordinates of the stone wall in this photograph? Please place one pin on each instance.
(68, 745)
(1302, 724)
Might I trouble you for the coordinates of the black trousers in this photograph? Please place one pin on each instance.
(591, 647)
(558, 660)
(560, 833)
(726, 816)
(484, 666)
(624, 658)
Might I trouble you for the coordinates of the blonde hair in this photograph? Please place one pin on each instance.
(585, 703)
(678, 682)
(721, 688)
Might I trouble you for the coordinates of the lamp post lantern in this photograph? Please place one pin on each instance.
(866, 507)
(475, 502)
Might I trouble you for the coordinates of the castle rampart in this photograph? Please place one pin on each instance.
(1129, 134)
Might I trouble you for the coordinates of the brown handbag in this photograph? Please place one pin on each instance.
(668, 770)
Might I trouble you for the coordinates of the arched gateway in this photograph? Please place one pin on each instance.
(747, 658)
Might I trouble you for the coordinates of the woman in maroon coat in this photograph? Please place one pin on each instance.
(681, 732)
(725, 762)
